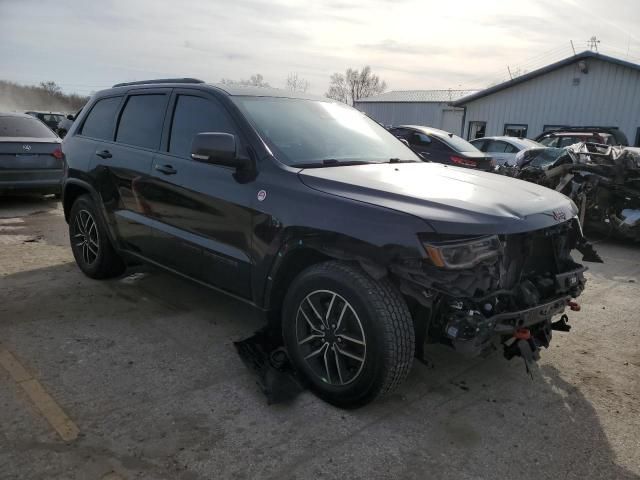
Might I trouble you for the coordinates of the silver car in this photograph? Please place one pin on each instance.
(504, 149)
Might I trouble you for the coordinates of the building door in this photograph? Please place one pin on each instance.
(452, 121)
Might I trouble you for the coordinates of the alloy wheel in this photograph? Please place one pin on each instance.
(330, 337)
(85, 236)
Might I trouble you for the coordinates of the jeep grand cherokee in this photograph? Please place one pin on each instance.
(310, 211)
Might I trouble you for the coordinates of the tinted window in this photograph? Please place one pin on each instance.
(420, 139)
(99, 122)
(24, 127)
(141, 120)
(458, 144)
(194, 115)
(480, 144)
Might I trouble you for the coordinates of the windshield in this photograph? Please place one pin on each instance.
(312, 132)
(542, 157)
(457, 143)
(24, 127)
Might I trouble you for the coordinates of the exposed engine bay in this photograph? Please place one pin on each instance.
(509, 298)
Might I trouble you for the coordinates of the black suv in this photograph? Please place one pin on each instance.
(305, 208)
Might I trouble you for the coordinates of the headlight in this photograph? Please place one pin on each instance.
(462, 254)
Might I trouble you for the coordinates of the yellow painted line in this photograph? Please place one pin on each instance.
(47, 406)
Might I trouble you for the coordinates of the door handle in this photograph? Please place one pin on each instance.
(166, 169)
(104, 154)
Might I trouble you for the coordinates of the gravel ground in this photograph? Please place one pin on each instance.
(145, 367)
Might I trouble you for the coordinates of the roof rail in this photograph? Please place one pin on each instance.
(159, 80)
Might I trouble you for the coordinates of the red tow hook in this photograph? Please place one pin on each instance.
(574, 306)
(522, 334)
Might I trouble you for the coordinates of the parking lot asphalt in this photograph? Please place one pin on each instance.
(138, 377)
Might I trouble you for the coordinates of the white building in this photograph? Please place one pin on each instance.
(588, 89)
(416, 107)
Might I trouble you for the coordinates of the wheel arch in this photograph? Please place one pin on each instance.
(298, 254)
(73, 188)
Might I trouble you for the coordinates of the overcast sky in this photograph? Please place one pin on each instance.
(86, 45)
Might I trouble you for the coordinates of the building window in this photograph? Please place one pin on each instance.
(515, 130)
(476, 130)
(551, 128)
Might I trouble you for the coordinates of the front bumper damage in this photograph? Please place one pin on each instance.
(510, 300)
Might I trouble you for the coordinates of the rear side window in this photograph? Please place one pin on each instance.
(193, 115)
(99, 122)
(141, 120)
(24, 127)
(420, 139)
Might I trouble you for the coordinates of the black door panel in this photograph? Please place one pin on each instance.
(202, 229)
(122, 168)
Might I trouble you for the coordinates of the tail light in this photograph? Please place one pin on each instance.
(462, 161)
(57, 153)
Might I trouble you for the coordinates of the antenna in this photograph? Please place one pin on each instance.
(593, 43)
(509, 70)
(572, 47)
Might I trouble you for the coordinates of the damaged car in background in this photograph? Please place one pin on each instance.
(357, 251)
(603, 181)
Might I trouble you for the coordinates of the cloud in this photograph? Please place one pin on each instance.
(412, 44)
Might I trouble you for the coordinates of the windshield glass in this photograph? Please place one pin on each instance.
(312, 131)
(24, 127)
(457, 143)
(542, 157)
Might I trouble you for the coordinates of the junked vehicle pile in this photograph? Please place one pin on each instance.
(603, 181)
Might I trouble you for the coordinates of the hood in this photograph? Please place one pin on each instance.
(451, 200)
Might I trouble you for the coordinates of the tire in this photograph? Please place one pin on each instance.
(90, 244)
(352, 361)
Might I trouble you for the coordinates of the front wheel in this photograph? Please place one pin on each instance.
(350, 335)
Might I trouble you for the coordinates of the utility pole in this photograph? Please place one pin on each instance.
(593, 43)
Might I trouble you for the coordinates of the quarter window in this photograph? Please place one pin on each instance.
(99, 122)
(141, 120)
(193, 115)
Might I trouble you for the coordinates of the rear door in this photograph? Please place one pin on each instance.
(202, 224)
(122, 166)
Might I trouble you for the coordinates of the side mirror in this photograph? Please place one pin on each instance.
(71, 117)
(216, 148)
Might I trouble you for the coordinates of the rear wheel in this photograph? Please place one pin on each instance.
(352, 336)
(90, 244)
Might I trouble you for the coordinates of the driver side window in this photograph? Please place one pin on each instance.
(193, 115)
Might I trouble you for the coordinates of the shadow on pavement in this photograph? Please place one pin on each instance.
(146, 367)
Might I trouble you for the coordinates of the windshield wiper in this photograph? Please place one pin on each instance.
(332, 162)
(398, 160)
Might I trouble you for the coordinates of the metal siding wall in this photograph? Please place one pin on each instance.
(407, 113)
(609, 95)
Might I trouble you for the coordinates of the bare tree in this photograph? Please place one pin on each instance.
(256, 80)
(52, 88)
(296, 83)
(354, 84)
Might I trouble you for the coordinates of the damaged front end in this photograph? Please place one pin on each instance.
(501, 289)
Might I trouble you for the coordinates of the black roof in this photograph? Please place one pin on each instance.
(542, 71)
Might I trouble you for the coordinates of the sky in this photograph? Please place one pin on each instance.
(87, 45)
